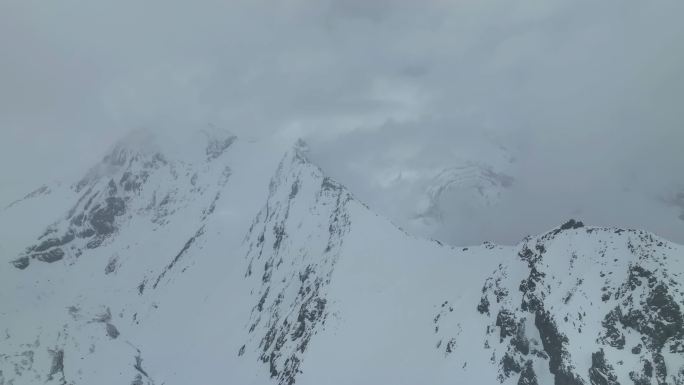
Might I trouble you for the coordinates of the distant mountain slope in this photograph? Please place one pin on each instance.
(224, 261)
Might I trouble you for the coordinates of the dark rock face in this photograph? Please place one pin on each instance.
(612, 332)
(141, 377)
(483, 306)
(507, 324)
(112, 331)
(57, 366)
(49, 250)
(53, 255)
(54, 242)
(601, 373)
(572, 224)
(527, 376)
(111, 266)
(216, 146)
(21, 263)
(554, 344)
(450, 346)
(42, 190)
(178, 256)
(640, 378)
(133, 182)
(102, 218)
(569, 225)
(509, 365)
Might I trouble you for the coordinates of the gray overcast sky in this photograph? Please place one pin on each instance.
(586, 96)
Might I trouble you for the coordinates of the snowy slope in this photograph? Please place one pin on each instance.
(224, 261)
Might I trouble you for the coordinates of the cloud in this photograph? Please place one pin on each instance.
(583, 95)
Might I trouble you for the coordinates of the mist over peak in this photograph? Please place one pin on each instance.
(189, 145)
(341, 192)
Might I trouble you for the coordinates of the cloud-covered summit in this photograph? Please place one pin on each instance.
(583, 96)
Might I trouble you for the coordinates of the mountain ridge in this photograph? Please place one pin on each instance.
(260, 263)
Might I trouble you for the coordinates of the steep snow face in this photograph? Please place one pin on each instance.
(236, 264)
(293, 246)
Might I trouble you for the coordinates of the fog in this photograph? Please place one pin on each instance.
(579, 102)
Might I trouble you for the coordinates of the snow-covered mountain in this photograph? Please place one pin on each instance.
(222, 261)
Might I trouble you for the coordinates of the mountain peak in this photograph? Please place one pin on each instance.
(149, 148)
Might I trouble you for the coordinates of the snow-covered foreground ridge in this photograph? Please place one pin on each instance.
(229, 262)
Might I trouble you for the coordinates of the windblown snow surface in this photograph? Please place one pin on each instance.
(233, 262)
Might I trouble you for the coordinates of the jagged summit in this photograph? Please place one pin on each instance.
(146, 149)
(142, 176)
